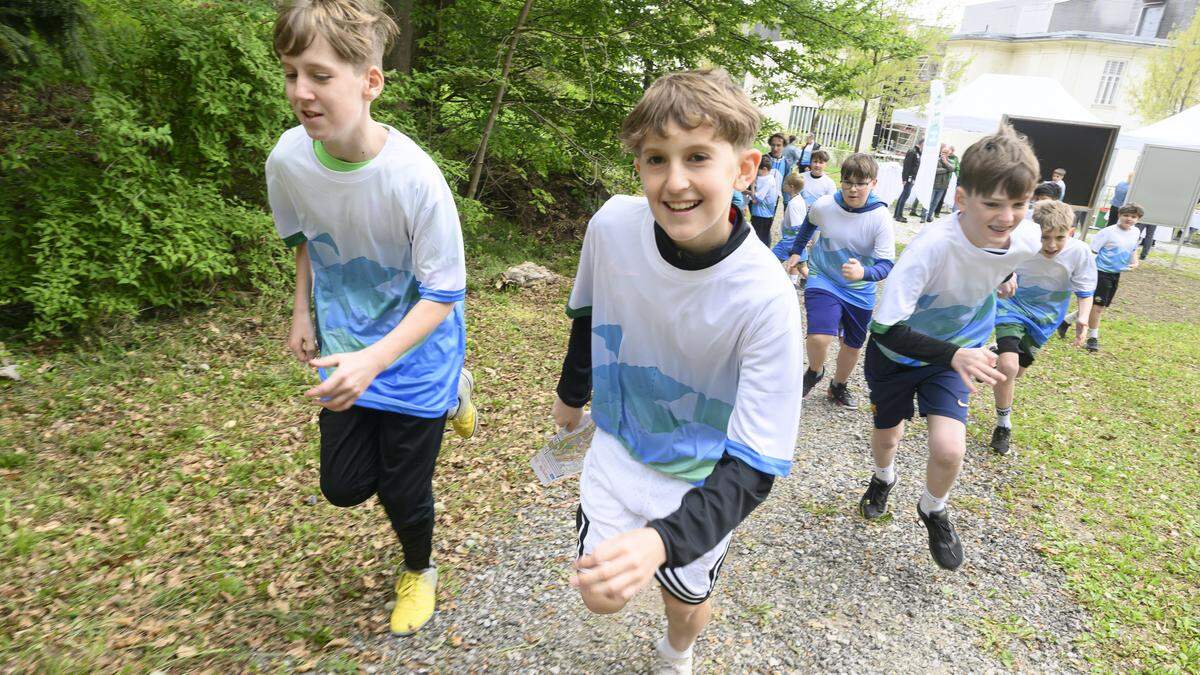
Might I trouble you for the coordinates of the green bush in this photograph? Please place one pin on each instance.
(140, 183)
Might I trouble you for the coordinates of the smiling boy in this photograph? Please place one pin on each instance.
(379, 254)
(687, 333)
(1044, 285)
(937, 310)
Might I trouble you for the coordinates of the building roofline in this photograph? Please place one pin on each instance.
(1084, 35)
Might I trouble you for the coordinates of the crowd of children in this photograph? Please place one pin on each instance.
(685, 331)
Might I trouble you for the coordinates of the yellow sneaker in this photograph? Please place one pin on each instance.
(415, 599)
(465, 419)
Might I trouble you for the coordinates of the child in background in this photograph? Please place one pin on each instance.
(793, 218)
(1044, 285)
(763, 200)
(1114, 247)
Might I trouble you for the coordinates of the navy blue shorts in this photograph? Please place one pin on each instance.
(830, 315)
(939, 390)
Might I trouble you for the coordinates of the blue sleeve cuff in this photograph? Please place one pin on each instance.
(770, 465)
(878, 271)
(1084, 294)
(441, 296)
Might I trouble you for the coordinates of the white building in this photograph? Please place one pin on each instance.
(1097, 49)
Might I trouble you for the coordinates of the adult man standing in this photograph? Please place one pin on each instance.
(908, 173)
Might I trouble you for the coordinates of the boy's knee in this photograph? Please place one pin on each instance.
(947, 453)
(344, 495)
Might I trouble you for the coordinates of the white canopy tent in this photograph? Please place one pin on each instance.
(979, 105)
(1178, 131)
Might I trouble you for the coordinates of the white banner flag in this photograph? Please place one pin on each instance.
(923, 187)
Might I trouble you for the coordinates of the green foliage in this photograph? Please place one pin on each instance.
(138, 185)
(1172, 82)
(23, 22)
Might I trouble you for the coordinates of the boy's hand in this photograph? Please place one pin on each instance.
(1134, 264)
(790, 265)
(804, 270)
(565, 416)
(852, 270)
(355, 371)
(1008, 288)
(302, 339)
(976, 364)
(621, 566)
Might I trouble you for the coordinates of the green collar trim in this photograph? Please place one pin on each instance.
(333, 163)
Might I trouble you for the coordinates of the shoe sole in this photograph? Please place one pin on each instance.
(466, 374)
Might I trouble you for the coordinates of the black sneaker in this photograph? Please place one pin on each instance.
(1093, 345)
(1062, 330)
(874, 501)
(1000, 436)
(944, 544)
(810, 380)
(840, 395)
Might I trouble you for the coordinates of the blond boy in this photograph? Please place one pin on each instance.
(379, 257)
(1027, 319)
(687, 333)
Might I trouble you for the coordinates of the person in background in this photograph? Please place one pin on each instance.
(806, 151)
(1118, 199)
(908, 174)
(941, 181)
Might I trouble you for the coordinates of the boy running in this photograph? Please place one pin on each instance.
(855, 250)
(937, 311)
(689, 333)
(379, 251)
(764, 200)
(816, 183)
(793, 217)
(1044, 285)
(1114, 247)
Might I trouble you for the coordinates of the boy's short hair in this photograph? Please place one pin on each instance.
(1002, 161)
(358, 30)
(1054, 217)
(1047, 190)
(794, 182)
(765, 163)
(779, 136)
(819, 156)
(1062, 171)
(860, 165)
(1131, 208)
(690, 99)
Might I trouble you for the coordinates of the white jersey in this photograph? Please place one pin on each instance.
(944, 286)
(815, 188)
(1044, 287)
(1114, 248)
(864, 233)
(380, 238)
(688, 365)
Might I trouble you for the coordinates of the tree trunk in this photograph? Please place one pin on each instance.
(400, 56)
(862, 119)
(481, 153)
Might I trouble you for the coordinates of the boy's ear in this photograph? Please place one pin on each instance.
(373, 85)
(747, 167)
(960, 194)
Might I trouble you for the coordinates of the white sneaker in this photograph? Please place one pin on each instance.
(666, 665)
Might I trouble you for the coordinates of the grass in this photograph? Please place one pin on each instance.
(1107, 444)
(159, 501)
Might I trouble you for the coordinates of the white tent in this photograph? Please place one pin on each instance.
(979, 105)
(1177, 131)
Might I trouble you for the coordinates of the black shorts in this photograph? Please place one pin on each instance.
(1106, 288)
(1021, 346)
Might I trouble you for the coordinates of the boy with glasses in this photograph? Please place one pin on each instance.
(855, 250)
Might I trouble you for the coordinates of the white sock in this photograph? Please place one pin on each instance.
(1003, 417)
(1070, 318)
(930, 504)
(887, 473)
(1094, 333)
(453, 411)
(665, 648)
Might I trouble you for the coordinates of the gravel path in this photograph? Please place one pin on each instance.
(808, 584)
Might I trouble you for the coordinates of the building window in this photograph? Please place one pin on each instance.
(1110, 79)
(1150, 20)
